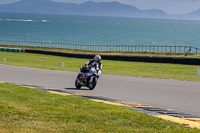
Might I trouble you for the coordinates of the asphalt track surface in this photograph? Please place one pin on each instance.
(183, 96)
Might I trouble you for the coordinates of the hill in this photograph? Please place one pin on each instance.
(88, 8)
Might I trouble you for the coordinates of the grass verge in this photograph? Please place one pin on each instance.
(137, 69)
(28, 110)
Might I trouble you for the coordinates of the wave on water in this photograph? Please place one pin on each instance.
(22, 20)
(44, 21)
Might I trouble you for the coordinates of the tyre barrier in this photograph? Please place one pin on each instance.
(11, 49)
(152, 59)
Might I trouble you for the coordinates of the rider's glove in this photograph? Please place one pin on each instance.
(87, 67)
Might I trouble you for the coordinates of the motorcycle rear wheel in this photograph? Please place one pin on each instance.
(77, 84)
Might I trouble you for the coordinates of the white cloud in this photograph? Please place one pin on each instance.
(7, 1)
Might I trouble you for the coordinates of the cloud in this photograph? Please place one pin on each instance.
(8, 1)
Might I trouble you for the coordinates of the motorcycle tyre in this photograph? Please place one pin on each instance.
(94, 83)
(78, 86)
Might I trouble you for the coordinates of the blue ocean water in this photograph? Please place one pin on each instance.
(98, 30)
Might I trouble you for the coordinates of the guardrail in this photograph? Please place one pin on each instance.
(110, 48)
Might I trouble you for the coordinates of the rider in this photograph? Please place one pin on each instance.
(96, 63)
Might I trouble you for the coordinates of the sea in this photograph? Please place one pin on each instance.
(91, 30)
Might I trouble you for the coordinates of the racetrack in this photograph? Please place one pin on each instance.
(183, 96)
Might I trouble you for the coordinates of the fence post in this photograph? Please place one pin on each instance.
(175, 49)
(146, 48)
(170, 49)
(150, 48)
(135, 48)
(142, 48)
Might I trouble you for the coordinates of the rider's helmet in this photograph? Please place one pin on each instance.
(97, 58)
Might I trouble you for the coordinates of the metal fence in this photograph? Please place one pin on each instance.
(110, 48)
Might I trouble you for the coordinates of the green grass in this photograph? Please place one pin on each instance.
(27, 110)
(137, 69)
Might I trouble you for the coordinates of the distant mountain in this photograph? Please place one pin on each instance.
(36, 6)
(194, 15)
(88, 8)
(188, 16)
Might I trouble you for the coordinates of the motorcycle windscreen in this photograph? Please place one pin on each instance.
(86, 75)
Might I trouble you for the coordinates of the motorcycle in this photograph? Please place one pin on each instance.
(86, 78)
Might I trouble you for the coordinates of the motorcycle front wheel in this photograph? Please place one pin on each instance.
(92, 85)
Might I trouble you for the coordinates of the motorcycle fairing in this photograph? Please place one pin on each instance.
(86, 75)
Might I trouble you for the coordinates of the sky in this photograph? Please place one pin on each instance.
(168, 6)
